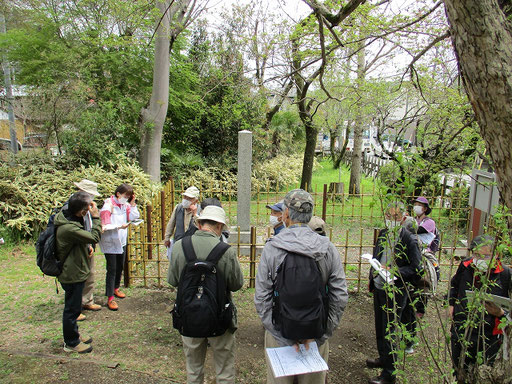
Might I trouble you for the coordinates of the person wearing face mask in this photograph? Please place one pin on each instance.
(211, 223)
(276, 217)
(116, 213)
(72, 246)
(472, 274)
(427, 230)
(397, 251)
(182, 218)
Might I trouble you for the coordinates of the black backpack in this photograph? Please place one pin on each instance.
(202, 307)
(300, 307)
(46, 250)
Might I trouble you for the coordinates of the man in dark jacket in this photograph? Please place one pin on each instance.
(481, 273)
(399, 254)
(73, 249)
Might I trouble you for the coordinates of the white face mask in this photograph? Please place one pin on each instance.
(418, 210)
(274, 220)
(481, 264)
(186, 203)
(122, 200)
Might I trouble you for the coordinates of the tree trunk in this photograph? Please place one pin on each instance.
(309, 155)
(482, 39)
(343, 146)
(355, 169)
(8, 93)
(276, 143)
(332, 142)
(153, 117)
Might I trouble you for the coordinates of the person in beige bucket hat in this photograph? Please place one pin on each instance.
(211, 222)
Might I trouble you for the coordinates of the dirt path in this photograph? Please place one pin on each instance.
(140, 341)
(43, 356)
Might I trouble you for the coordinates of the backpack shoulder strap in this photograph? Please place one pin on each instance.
(188, 249)
(217, 252)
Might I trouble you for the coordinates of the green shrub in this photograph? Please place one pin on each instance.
(220, 181)
(30, 190)
(279, 172)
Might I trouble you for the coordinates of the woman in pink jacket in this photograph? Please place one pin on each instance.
(116, 214)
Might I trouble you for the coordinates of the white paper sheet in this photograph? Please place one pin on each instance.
(426, 238)
(503, 302)
(110, 227)
(384, 273)
(285, 361)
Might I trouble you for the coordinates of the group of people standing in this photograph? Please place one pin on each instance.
(293, 238)
(79, 227)
(196, 236)
(477, 329)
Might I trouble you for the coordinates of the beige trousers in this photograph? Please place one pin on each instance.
(88, 293)
(310, 378)
(223, 348)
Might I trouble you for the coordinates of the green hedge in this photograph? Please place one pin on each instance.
(38, 183)
(277, 173)
(35, 185)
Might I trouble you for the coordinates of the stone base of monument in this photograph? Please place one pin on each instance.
(245, 241)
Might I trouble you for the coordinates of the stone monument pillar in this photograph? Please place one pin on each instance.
(244, 180)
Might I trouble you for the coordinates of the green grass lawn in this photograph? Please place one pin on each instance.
(325, 174)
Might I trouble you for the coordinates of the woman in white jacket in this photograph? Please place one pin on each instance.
(116, 214)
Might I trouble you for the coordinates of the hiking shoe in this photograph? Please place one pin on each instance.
(80, 348)
(374, 363)
(410, 348)
(91, 307)
(119, 294)
(86, 339)
(81, 317)
(112, 305)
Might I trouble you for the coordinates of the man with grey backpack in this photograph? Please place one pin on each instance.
(301, 291)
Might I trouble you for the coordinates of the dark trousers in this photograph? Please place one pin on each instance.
(416, 303)
(386, 318)
(491, 344)
(115, 265)
(72, 309)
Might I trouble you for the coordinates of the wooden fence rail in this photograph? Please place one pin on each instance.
(351, 221)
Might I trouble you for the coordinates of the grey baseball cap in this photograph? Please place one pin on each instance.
(300, 200)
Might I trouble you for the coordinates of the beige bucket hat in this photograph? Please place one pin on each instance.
(214, 213)
(88, 186)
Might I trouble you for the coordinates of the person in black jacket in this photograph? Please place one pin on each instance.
(482, 272)
(399, 254)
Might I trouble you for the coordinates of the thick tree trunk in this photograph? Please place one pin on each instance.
(309, 156)
(482, 40)
(355, 169)
(153, 117)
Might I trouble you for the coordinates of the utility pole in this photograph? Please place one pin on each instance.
(8, 92)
